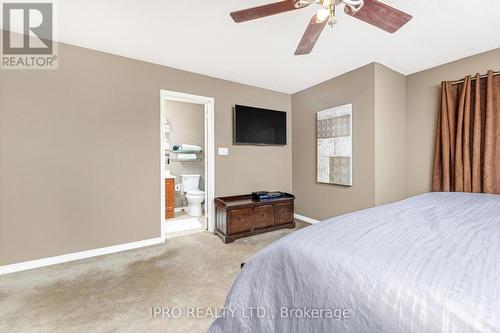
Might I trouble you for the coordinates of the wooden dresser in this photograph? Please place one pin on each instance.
(169, 197)
(240, 216)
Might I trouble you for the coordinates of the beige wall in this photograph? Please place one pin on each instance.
(187, 125)
(390, 143)
(378, 97)
(79, 147)
(321, 201)
(422, 91)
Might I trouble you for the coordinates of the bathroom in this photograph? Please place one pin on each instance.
(185, 177)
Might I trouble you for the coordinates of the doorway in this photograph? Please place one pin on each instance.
(187, 163)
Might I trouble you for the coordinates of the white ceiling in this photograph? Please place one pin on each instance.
(199, 36)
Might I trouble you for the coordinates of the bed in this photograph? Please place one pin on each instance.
(430, 263)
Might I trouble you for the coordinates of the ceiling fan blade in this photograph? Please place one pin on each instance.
(380, 15)
(263, 11)
(310, 36)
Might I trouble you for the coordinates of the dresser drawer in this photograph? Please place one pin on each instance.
(284, 213)
(263, 216)
(240, 220)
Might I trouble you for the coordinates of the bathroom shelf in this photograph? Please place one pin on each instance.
(177, 160)
(186, 151)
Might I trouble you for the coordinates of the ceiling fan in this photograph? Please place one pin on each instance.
(370, 11)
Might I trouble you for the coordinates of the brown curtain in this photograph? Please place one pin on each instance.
(467, 148)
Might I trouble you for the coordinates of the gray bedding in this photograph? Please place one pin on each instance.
(430, 263)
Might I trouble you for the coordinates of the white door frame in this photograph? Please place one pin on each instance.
(209, 104)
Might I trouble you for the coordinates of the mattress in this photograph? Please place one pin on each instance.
(430, 263)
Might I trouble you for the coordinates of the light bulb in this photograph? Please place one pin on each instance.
(322, 14)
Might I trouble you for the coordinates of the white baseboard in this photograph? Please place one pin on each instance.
(22, 266)
(305, 219)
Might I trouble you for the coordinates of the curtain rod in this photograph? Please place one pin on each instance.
(474, 78)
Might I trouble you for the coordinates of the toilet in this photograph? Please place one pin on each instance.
(194, 196)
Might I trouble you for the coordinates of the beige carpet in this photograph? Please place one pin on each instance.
(115, 293)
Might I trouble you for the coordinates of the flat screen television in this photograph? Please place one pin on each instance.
(254, 126)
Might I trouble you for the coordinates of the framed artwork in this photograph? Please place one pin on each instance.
(334, 154)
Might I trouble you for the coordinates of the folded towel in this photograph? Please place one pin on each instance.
(186, 157)
(190, 147)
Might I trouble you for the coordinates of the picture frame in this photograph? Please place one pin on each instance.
(334, 145)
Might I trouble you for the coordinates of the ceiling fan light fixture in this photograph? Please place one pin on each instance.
(373, 12)
(322, 14)
(354, 5)
(303, 3)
